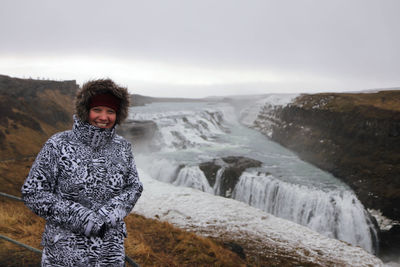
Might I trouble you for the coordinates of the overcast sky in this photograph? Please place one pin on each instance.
(210, 47)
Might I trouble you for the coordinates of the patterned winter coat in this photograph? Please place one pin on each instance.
(81, 180)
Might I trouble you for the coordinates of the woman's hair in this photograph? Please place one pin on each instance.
(101, 86)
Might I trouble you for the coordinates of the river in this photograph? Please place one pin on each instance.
(190, 133)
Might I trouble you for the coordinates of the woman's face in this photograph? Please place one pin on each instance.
(102, 117)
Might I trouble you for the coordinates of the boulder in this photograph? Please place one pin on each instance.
(234, 167)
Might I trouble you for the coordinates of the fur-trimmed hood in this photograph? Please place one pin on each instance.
(101, 86)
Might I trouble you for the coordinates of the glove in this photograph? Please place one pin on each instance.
(102, 231)
(95, 229)
(108, 217)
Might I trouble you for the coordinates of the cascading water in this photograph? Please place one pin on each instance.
(193, 177)
(285, 186)
(336, 214)
(217, 185)
(184, 129)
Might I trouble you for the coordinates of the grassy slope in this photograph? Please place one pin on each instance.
(30, 112)
(343, 102)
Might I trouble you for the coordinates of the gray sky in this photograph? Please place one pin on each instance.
(210, 47)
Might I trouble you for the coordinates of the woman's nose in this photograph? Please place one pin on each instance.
(103, 116)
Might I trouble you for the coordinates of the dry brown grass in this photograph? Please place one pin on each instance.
(149, 242)
(27, 121)
(13, 174)
(386, 100)
(155, 243)
(20, 224)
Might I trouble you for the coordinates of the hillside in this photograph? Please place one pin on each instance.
(30, 112)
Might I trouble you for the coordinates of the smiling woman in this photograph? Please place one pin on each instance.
(84, 182)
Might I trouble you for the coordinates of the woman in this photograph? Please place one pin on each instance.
(84, 182)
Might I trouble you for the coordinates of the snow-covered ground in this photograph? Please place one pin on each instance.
(383, 222)
(252, 228)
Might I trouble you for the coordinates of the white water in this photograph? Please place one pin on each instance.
(193, 177)
(336, 214)
(192, 133)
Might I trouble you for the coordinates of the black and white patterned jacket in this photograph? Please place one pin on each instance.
(82, 182)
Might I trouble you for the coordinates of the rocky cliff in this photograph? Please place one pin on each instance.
(356, 137)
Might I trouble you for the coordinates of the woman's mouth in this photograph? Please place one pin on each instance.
(101, 125)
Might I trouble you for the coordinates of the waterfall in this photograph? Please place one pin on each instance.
(217, 185)
(163, 170)
(185, 129)
(193, 133)
(193, 177)
(336, 214)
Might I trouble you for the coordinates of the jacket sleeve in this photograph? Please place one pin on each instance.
(38, 193)
(121, 205)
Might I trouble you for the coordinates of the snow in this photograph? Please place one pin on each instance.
(384, 223)
(226, 218)
(279, 99)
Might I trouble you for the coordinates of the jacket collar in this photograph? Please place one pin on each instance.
(91, 135)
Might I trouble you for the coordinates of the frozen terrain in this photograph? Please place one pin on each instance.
(231, 220)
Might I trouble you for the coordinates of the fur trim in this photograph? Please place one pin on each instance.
(91, 88)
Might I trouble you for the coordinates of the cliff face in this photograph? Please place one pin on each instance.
(356, 137)
(31, 111)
